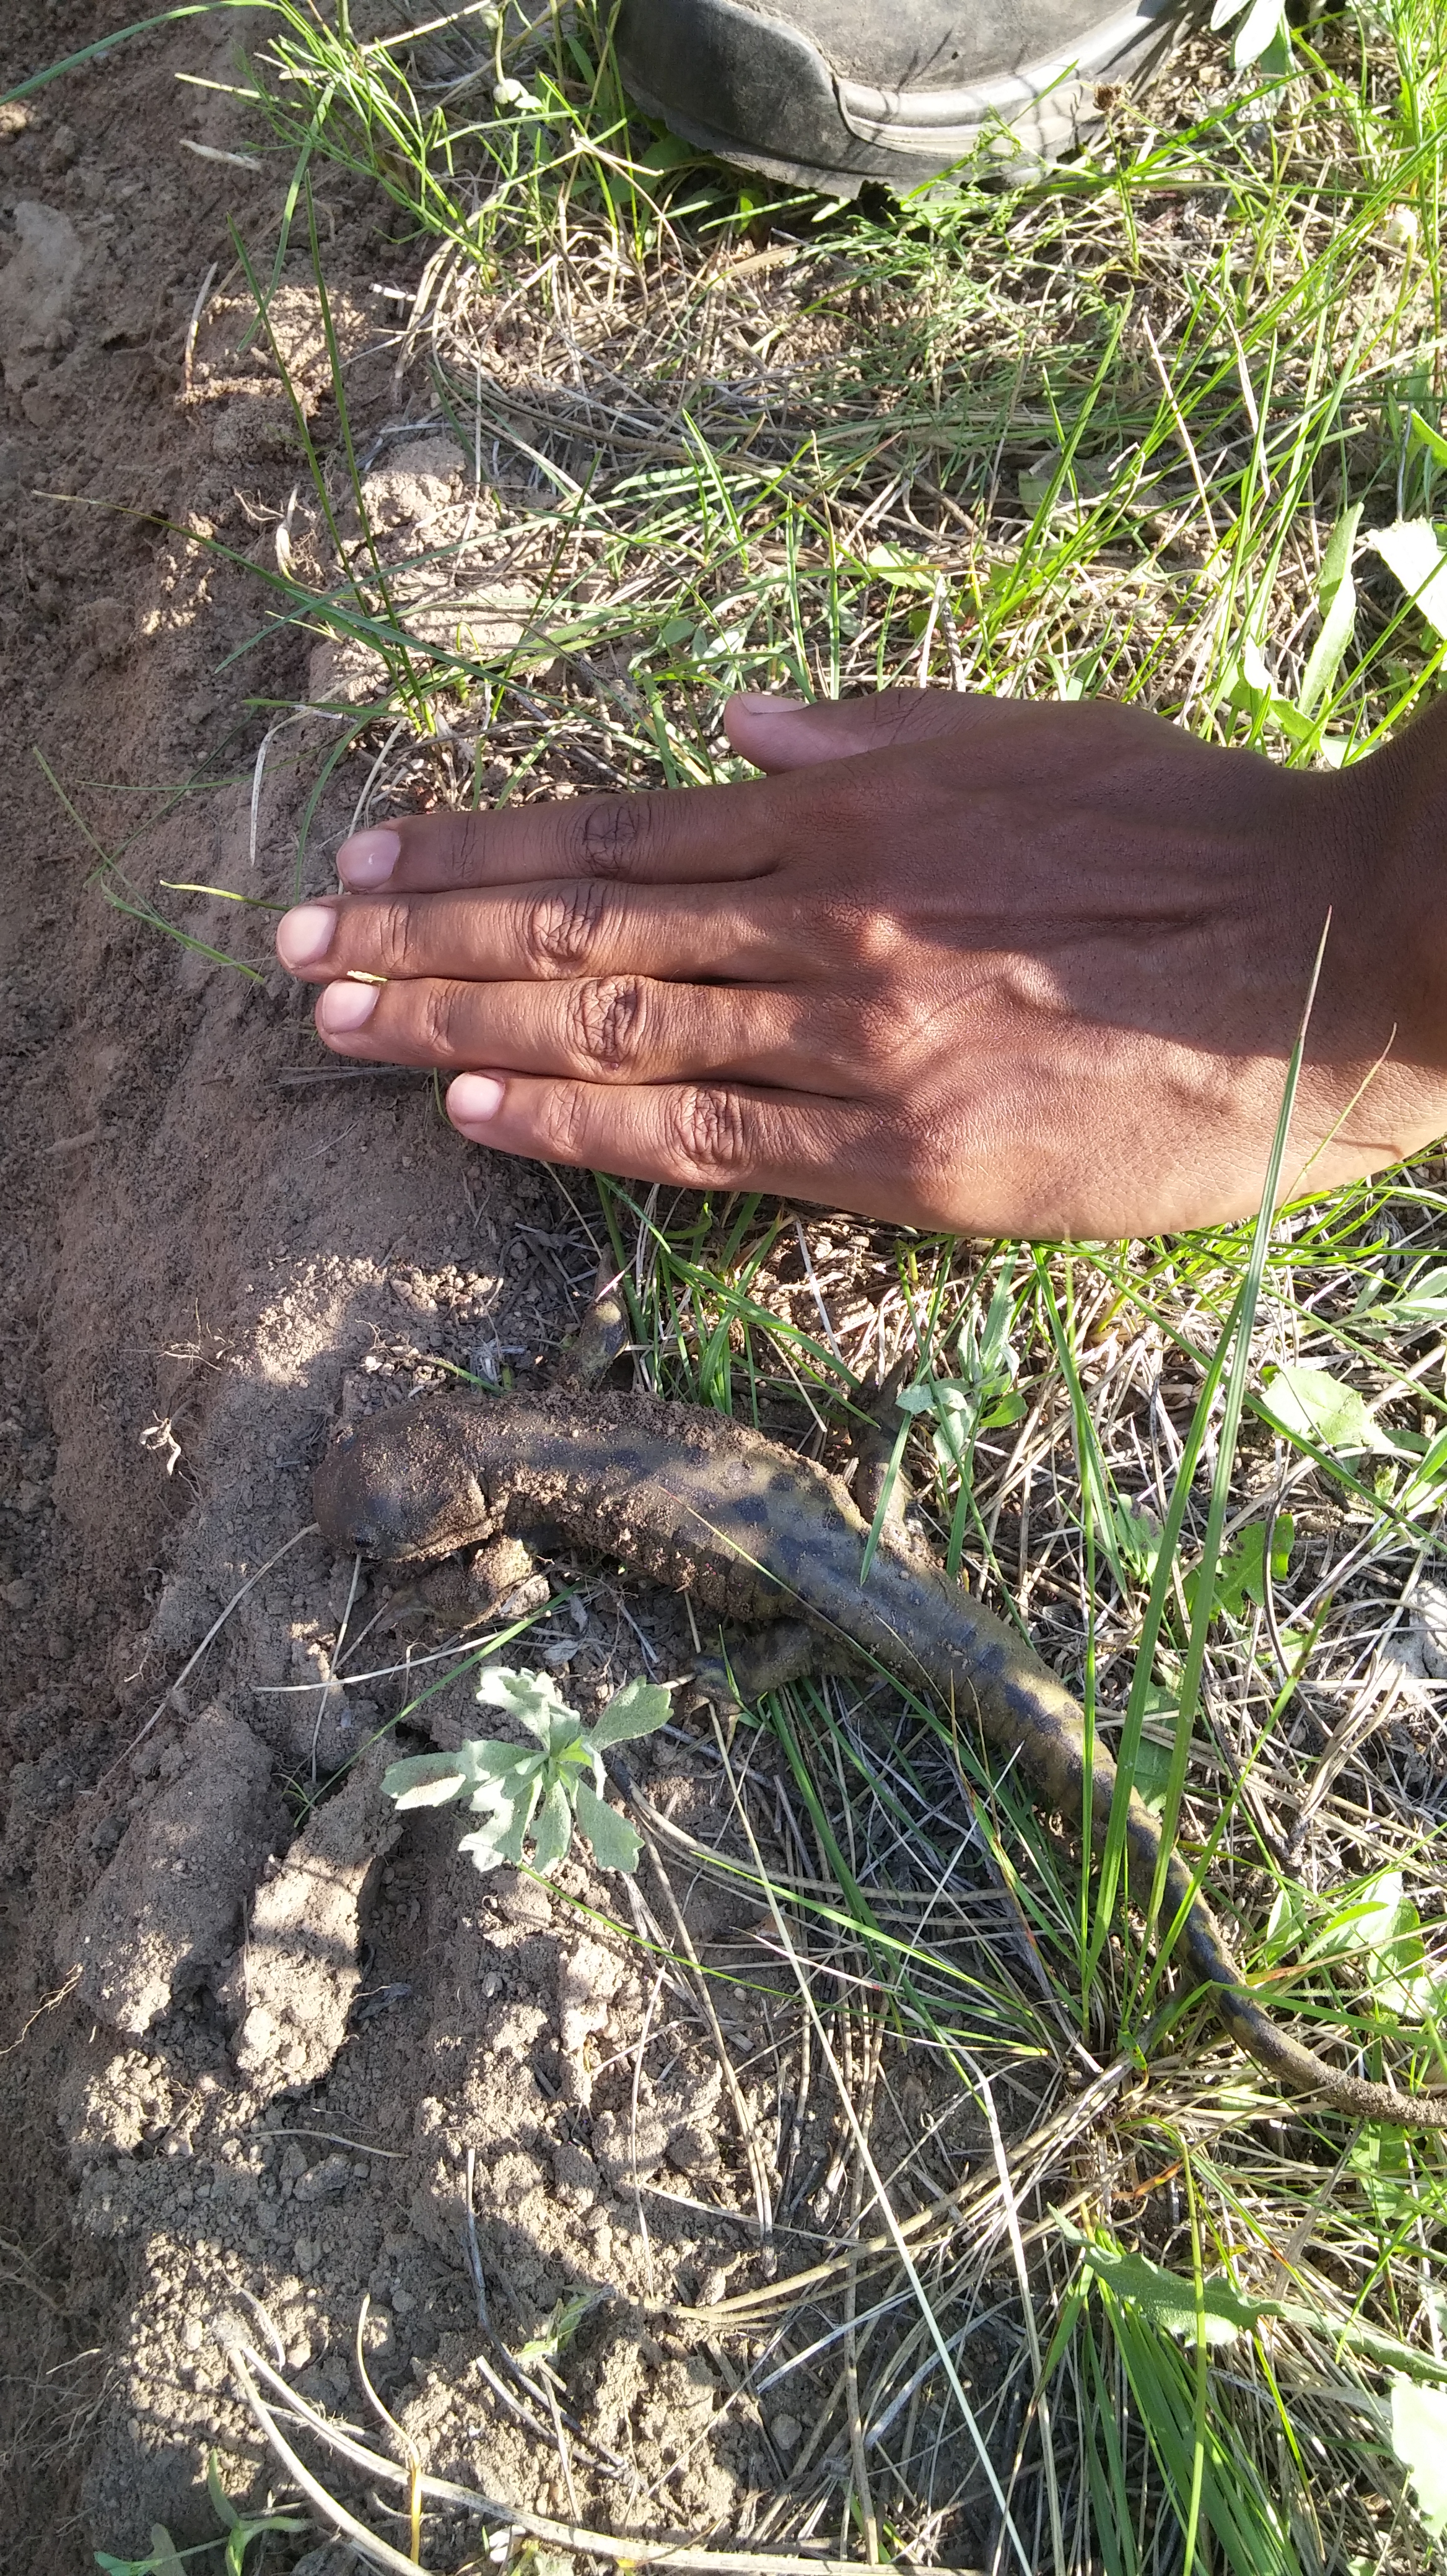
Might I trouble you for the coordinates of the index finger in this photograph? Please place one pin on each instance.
(672, 835)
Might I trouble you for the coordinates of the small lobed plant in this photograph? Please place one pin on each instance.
(238, 2532)
(520, 1793)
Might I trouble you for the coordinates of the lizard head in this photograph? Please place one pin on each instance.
(398, 1486)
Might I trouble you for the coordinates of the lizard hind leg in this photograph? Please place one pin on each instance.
(602, 1337)
(879, 1474)
(766, 1662)
(878, 1446)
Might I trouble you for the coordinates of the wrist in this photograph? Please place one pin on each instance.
(1395, 808)
(1378, 1043)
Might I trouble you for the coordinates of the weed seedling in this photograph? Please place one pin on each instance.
(518, 1792)
(163, 2557)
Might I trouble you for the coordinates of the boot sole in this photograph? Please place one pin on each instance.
(721, 76)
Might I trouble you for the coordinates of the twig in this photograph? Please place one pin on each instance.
(404, 2441)
(212, 1633)
(742, 2115)
(638, 2056)
(194, 325)
(858, 2462)
(1041, 2400)
(621, 2549)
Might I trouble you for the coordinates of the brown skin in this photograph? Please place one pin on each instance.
(954, 962)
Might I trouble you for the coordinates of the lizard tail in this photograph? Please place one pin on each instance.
(1299, 2068)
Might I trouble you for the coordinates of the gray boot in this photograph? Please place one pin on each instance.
(829, 93)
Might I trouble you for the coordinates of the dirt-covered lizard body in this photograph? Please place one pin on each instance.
(703, 1505)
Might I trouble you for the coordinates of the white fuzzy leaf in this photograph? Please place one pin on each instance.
(1411, 548)
(1419, 2438)
(554, 1828)
(534, 1699)
(612, 1839)
(639, 1708)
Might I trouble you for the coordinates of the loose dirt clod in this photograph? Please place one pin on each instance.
(166, 1912)
(298, 1975)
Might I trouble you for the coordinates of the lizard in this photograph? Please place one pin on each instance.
(703, 1505)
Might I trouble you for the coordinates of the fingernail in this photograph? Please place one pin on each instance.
(770, 705)
(344, 1007)
(305, 935)
(368, 858)
(474, 1098)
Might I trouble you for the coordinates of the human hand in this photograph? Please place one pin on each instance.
(957, 962)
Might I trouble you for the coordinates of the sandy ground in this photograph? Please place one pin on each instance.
(248, 2032)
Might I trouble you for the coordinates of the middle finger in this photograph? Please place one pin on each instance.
(572, 928)
(618, 1029)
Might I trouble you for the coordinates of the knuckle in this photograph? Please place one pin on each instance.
(563, 1123)
(605, 1023)
(392, 929)
(562, 928)
(611, 834)
(461, 848)
(708, 1131)
(437, 1003)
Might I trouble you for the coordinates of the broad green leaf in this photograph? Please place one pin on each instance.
(1315, 1406)
(1420, 1300)
(669, 153)
(890, 563)
(610, 1836)
(242, 2534)
(554, 1829)
(1337, 593)
(534, 1699)
(1380, 1926)
(1151, 1768)
(1419, 2438)
(1411, 548)
(639, 1708)
(1262, 29)
(1251, 689)
(1276, 61)
(1288, 1921)
(1169, 2301)
(1240, 1575)
(427, 1780)
(1389, 1928)
(1386, 2175)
